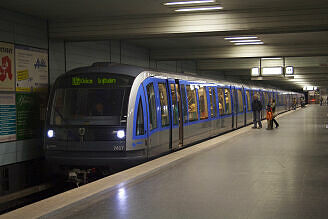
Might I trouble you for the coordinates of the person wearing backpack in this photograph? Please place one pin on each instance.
(256, 107)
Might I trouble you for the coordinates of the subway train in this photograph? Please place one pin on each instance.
(113, 115)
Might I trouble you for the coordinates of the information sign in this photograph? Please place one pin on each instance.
(7, 117)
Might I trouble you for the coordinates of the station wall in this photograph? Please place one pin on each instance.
(65, 56)
(28, 31)
(18, 164)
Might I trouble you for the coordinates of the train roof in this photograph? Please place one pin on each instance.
(136, 71)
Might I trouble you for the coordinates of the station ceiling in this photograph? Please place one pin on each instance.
(294, 29)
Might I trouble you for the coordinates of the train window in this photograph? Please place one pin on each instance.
(249, 104)
(240, 102)
(213, 103)
(184, 103)
(192, 103)
(221, 102)
(175, 107)
(265, 95)
(258, 95)
(96, 106)
(164, 104)
(152, 106)
(228, 101)
(280, 99)
(203, 103)
(140, 120)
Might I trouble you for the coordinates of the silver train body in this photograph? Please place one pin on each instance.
(165, 112)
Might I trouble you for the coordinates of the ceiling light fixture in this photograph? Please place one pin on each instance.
(271, 71)
(254, 43)
(240, 38)
(271, 58)
(244, 41)
(198, 9)
(188, 2)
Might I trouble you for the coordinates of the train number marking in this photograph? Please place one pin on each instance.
(118, 148)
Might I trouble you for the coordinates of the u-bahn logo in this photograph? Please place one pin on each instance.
(40, 63)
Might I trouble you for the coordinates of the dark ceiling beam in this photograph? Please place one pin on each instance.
(194, 24)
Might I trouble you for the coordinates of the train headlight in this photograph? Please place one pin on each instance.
(120, 134)
(50, 133)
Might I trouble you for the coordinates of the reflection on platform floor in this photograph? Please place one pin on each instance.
(280, 173)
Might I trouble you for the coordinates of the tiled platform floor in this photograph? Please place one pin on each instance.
(282, 173)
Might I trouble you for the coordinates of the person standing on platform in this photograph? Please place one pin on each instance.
(256, 107)
(273, 107)
(269, 116)
(321, 100)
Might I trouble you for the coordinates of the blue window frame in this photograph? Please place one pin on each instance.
(174, 103)
(184, 103)
(203, 103)
(140, 101)
(152, 109)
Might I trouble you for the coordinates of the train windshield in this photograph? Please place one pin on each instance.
(90, 106)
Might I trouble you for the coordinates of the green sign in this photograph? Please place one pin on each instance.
(76, 81)
(106, 81)
(28, 116)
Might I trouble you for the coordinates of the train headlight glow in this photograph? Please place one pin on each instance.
(120, 134)
(51, 133)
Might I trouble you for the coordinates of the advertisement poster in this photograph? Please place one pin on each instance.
(7, 117)
(28, 116)
(31, 69)
(7, 74)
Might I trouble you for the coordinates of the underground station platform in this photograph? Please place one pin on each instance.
(247, 173)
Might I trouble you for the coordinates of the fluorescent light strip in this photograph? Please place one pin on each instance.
(255, 43)
(240, 38)
(198, 9)
(244, 41)
(272, 58)
(188, 2)
(272, 71)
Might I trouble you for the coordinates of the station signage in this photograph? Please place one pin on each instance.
(78, 81)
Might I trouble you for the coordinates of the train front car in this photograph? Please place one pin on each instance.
(86, 123)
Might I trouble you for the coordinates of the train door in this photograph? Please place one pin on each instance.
(243, 91)
(183, 110)
(235, 107)
(174, 114)
(248, 106)
(263, 115)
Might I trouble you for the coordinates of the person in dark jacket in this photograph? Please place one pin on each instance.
(256, 107)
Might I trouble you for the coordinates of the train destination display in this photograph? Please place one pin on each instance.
(100, 81)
